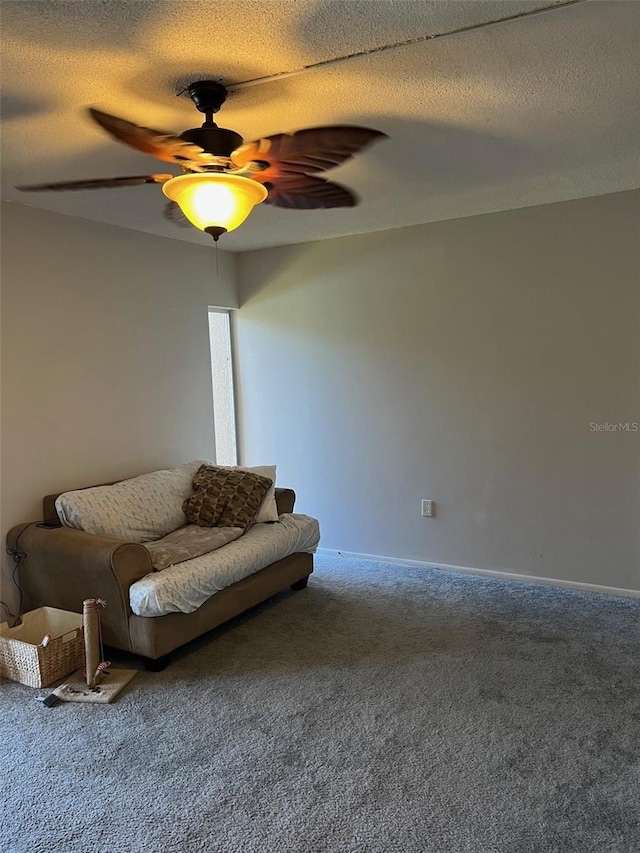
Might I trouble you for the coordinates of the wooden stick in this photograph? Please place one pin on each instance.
(90, 619)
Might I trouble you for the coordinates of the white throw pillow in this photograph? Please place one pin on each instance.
(268, 508)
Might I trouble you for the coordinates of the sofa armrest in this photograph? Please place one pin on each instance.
(63, 566)
(285, 500)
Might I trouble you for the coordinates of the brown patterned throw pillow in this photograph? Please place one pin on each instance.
(225, 498)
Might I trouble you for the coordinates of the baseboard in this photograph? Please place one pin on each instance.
(488, 573)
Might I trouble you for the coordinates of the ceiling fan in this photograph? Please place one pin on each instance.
(224, 177)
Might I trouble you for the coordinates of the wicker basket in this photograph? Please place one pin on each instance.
(23, 658)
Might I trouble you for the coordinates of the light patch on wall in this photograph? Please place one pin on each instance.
(224, 415)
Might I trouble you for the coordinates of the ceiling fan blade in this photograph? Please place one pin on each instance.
(158, 143)
(302, 192)
(96, 183)
(314, 149)
(174, 214)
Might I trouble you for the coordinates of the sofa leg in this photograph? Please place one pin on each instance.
(301, 584)
(156, 664)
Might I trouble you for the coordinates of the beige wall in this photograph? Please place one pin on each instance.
(105, 353)
(462, 361)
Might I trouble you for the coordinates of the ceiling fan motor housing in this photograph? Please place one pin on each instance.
(215, 140)
(208, 96)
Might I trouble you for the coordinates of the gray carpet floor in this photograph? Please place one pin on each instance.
(384, 708)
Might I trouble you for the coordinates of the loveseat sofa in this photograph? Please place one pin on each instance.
(152, 612)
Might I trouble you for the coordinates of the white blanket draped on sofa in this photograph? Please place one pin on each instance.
(184, 587)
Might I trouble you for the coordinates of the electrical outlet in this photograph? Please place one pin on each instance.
(428, 508)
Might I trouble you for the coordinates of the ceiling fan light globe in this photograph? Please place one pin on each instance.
(215, 200)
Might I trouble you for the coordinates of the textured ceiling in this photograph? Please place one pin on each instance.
(539, 109)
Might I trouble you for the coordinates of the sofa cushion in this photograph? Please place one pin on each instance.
(186, 587)
(188, 542)
(224, 497)
(137, 510)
